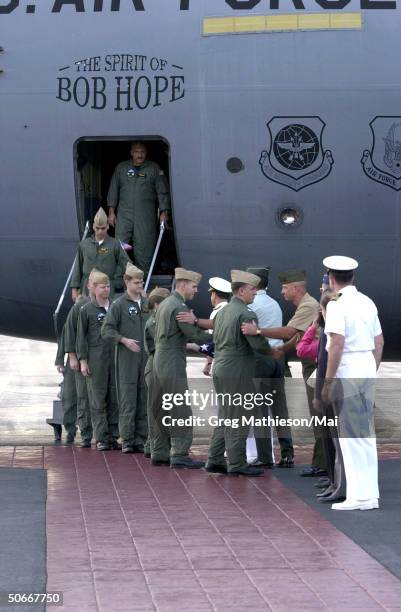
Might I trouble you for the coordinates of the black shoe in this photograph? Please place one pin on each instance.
(58, 430)
(286, 462)
(248, 471)
(86, 444)
(114, 445)
(160, 462)
(70, 438)
(127, 449)
(180, 463)
(103, 446)
(138, 448)
(147, 454)
(336, 496)
(322, 483)
(312, 472)
(269, 465)
(213, 468)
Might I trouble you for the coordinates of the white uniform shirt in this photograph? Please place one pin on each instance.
(214, 312)
(354, 316)
(268, 312)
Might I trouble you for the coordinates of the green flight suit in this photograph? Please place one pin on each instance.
(126, 318)
(169, 371)
(149, 346)
(109, 258)
(69, 391)
(134, 191)
(83, 411)
(233, 372)
(100, 383)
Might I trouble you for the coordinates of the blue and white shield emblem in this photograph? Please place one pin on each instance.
(296, 157)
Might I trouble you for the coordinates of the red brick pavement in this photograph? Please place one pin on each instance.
(123, 535)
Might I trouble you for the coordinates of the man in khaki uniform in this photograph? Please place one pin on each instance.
(233, 372)
(294, 291)
(99, 251)
(170, 374)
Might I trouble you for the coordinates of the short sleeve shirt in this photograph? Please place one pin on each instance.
(307, 310)
(354, 316)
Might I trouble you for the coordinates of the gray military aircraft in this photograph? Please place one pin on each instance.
(277, 122)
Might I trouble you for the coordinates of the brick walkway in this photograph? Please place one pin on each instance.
(123, 535)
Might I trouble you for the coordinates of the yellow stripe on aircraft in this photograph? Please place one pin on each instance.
(289, 22)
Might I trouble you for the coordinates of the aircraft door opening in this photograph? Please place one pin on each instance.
(95, 162)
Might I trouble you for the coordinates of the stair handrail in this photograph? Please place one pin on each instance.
(67, 282)
(156, 251)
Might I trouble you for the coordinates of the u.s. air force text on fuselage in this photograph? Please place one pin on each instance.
(97, 6)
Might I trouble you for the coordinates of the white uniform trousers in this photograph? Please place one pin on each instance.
(356, 424)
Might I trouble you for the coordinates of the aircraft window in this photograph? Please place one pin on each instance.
(289, 217)
(234, 164)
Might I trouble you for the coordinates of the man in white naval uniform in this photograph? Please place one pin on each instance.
(354, 346)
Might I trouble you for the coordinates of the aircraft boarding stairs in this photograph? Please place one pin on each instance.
(152, 281)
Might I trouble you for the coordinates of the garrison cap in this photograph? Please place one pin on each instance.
(240, 276)
(340, 263)
(99, 278)
(100, 218)
(292, 276)
(219, 284)
(261, 271)
(187, 275)
(160, 292)
(133, 272)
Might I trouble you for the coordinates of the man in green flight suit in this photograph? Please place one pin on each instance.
(83, 411)
(169, 370)
(69, 390)
(124, 327)
(96, 359)
(156, 297)
(99, 251)
(233, 372)
(135, 187)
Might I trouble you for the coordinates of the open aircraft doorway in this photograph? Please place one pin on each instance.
(95, 161)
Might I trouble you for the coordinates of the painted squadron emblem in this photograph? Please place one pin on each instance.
(296, 158)
(383, 162)
(100, 317)
(132, 310)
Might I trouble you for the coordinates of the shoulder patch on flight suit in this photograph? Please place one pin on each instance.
(103, 250)
(132, 310)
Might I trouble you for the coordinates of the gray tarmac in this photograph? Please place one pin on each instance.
(29, 383)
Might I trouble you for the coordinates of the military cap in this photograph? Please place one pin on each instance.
(340, 263)
(219, 284)
(160, 292)
(261, 271)
(240, 276)
(133, 272)
(292, 276)
(187, 275)
(99, 278)
(100, 218)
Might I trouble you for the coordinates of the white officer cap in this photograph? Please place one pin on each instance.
(219, 284)
(340, 263)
